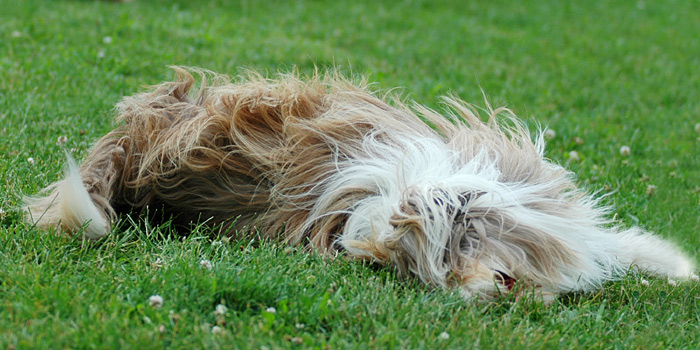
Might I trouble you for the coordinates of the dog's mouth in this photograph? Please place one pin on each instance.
(506, 280)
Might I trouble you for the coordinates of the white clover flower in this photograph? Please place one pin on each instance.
(2, 213)
(30, 160)
(550, 134)
(645, 283)
(625, 151)
(216, 330)
(579, 141)
(220, 310)
(61, 140)
(155, 301)
(574, 157)
(300, 326)
(271, 310)
(158, 263)
(102, 53)
(204, 263)
(651, 189)
(161, 328)
(694, 277)
(672, 283)
(107, 40)
(444, 336)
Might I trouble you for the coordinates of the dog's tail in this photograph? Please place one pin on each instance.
(83, 201)
(68, 206)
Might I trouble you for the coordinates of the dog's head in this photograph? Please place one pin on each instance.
(448, 222)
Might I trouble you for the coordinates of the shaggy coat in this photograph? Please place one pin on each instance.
(452, 200)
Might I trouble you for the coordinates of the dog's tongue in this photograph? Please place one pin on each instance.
(508, 281)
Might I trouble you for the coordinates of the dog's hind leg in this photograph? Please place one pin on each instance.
(83, 198)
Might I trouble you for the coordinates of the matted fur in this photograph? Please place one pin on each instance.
(327, 163)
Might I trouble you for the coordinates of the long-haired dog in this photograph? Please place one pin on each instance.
(451, 200)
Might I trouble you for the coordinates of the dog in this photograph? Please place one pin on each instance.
(325, 162)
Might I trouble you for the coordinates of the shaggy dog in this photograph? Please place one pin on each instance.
(453, 201)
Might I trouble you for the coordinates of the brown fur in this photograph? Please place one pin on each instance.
(273, 154)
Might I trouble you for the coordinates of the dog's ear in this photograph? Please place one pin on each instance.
(458, 260)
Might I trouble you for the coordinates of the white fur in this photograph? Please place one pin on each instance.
(78, 204)
(456, 202)
(421, 166)
(71, 204)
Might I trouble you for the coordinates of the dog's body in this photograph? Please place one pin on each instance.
(326, 163)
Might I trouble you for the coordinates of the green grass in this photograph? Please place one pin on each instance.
(608, 73)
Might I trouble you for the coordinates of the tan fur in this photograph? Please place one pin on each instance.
(286, 156)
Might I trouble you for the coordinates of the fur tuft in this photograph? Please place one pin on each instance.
(69, 207)
(653, 255)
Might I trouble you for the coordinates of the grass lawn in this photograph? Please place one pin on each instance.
(601, 74)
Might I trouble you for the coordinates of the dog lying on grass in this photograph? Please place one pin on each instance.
(451, 200)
